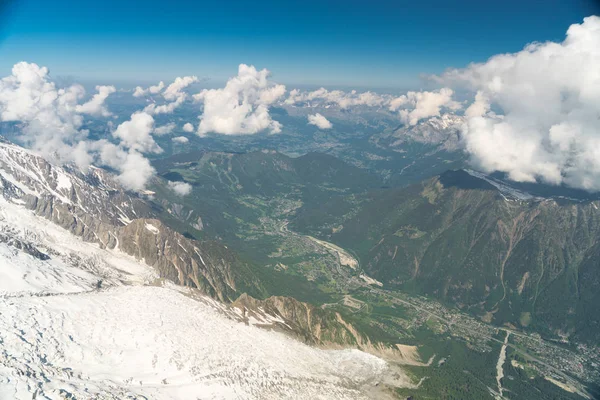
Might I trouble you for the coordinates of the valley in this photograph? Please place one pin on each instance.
(273, 236)
(271, 231)
(300, 201)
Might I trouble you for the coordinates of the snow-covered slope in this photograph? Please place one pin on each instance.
(94, 193)
(79, 320)
(507, 192)
(80, 317)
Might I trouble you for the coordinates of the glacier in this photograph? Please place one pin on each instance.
(85, 322)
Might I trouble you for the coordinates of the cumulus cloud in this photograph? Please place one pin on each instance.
(136, 134)
(135, 172)
(180, 188)
(95, 106)
(242, 106)
(174, 90)
(166, 108)
(134, 169)
(549, 96)
(319, 121)
(173, 94)
(165, 129)
(180, 139)
(140, 91)
(51, 123)
(188, 127)
(415, 106)
(126, 157)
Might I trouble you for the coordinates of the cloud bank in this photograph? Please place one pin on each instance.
(242, 106)
(338, 97)
(411, 107)
(134, 169)
(535, 114)
(549, 98)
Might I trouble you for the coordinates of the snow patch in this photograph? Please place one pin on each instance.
(152, 228)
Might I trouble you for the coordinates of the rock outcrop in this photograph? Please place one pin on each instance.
(95, 207)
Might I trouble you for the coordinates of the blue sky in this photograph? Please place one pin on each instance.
(363, 44)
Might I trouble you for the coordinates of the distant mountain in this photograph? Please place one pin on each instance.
(222, 183)
(512, 259)
(265, 171)
(442, 133)
(418, 152)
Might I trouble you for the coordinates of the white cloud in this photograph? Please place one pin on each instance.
(166, 108)
(295, 96)
(136, 134)
(48, 115)
(242, 106)
(412, 106)
(371, 99)
(136, 171)
(174, 94)
(126, 157)
(174, 90)
(95, 106)
(338, 97)
(140, 91)
(319, 121)
(180, 139)
(180, 188)
(51, 123)
(188, 127)
(549, 95)
(165, 129)
(415, 106)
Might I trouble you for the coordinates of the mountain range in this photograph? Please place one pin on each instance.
(92, 281)
(511, 258)
(319, 253)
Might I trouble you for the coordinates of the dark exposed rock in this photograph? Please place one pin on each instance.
(24, 246)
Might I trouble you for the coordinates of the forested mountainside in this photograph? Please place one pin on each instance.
(531, 263)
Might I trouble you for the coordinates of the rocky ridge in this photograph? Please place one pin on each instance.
(95, 207)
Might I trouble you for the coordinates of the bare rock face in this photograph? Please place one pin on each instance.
(95, 207)
(309, 323)
(29, 248)
(317, 326)
(186, 262)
